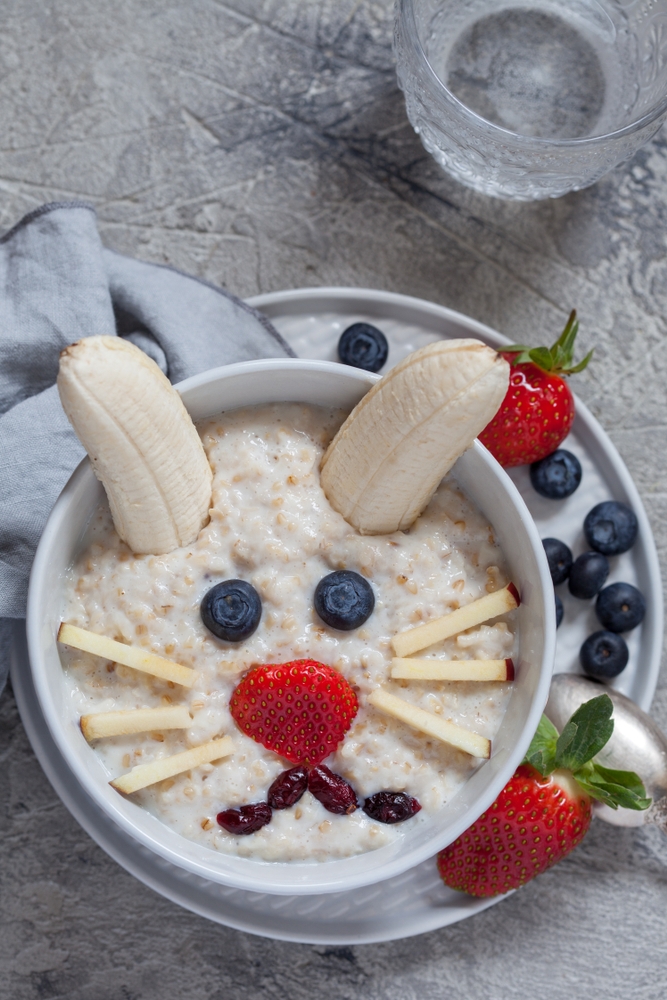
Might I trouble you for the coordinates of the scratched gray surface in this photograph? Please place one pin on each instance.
(262, 144)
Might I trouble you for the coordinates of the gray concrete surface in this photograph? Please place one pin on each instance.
(262, 144)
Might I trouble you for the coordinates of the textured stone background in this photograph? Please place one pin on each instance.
(262, 144)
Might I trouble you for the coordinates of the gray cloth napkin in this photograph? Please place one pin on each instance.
(58, 284)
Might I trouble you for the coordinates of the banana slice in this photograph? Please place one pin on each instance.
(386, 461)
(142, 443)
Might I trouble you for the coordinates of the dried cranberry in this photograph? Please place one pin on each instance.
(335, 793)
(247, 819)
(288, 788)
(390, 807)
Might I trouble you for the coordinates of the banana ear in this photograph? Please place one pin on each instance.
(387, 459)
(141, 441)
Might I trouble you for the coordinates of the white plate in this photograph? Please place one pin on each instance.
(415, 902)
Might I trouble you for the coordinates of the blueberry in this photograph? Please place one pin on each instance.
(604, 654)
(556, 476)
(344, 600)
(588, 574)
(559, 558)
(363, 346)
(611, 528)
(620, 607)
(231, 610)
(559, 610)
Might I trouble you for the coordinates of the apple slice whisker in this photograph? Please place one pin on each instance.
(416, 669)
(479, 611)
(166, 767)
(430, 724)
(134, 720)
(128, 656)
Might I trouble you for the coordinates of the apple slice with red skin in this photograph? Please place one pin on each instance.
(482, 610)
(416, 669)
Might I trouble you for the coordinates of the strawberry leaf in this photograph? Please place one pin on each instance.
(627, 786)
(585, 733)
(567, 338)
(614, 788)
(558, 356)
(542, 750)
(541, 356)
(522, 353)
(556, 359)
(582, 364)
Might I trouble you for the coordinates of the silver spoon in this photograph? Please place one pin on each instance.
(635, 745)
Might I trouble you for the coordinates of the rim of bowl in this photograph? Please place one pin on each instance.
(407, 6)
(320, 883)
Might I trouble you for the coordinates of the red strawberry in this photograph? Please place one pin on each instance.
(300, 710)
(544, 810)
(533, 823)
(538, 409)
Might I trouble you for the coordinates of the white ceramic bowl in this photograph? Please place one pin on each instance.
(326, 384)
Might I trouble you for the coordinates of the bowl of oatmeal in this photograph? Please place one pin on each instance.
(265, 426)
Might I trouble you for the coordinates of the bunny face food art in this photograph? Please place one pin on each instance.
(288, 635)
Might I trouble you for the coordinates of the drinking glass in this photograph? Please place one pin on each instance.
(529, 100)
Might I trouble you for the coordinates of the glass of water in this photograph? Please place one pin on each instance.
(532, 99)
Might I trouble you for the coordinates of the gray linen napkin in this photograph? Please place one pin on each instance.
(58, 284)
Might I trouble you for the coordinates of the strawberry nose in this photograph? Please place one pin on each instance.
(300, 710)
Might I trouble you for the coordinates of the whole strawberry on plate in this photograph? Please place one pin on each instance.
(544, 811)
(300, 710)
(538, 409)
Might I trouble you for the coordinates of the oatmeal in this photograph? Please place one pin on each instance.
(272, 526)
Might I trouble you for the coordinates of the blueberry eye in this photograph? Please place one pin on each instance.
(344, 600)
(363, 346)
(231, 610)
